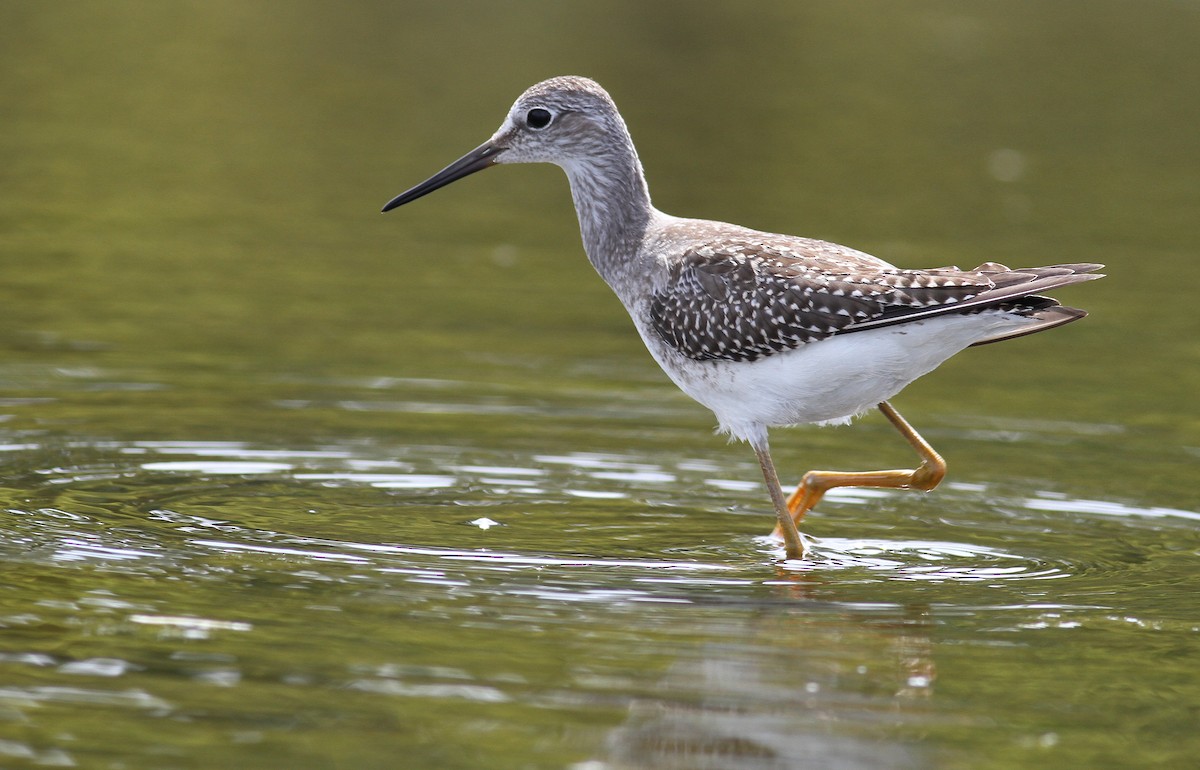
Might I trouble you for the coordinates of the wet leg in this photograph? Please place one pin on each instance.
(786, 526)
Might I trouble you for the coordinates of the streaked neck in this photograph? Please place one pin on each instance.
(613, 205)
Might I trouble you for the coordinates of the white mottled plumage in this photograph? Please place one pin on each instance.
(764, 329)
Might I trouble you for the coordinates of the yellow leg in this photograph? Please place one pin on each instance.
(925, 477)
(785, 528)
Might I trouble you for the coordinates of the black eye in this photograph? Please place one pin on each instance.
(538, 118)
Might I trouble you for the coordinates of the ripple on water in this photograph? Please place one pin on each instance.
(666, 551)
(1050, 501)
(641, 489)
(929, 561)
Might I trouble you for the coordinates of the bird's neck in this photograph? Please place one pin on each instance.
(613, 204)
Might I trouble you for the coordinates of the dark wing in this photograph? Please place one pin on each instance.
(740, 301)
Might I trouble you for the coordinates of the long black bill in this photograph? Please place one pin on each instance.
(478, 159)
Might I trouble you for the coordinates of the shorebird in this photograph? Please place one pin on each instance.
(766, 330)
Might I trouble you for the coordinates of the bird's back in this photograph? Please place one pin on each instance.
(723, 292)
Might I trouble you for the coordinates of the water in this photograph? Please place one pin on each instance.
(287, 483)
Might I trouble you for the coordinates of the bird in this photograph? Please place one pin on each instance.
(766, 330)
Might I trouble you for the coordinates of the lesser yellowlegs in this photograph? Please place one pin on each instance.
(766, 330)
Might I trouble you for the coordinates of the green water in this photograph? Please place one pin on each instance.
(290, 484)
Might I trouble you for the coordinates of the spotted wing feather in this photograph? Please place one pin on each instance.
(741, 301)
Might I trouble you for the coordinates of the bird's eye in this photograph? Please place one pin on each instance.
(538, 118)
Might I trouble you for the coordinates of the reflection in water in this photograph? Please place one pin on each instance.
(777, 698)
(1052, 502)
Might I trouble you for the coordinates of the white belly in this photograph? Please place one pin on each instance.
(829, 381)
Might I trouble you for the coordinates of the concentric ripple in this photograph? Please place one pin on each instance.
(930, 561)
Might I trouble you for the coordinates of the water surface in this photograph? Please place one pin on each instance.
(287, 483)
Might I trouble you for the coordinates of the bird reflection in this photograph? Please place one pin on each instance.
(809, 686)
